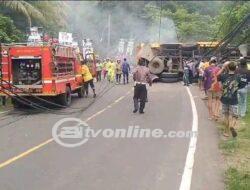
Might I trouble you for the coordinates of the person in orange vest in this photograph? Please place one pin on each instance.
(87, 79)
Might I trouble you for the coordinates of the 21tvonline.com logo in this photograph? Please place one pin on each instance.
(73, 132)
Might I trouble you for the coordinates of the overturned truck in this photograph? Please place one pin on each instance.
(165, 61)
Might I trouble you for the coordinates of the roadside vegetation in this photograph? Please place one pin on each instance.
(194, 21)
(7, 107)
(237, 156)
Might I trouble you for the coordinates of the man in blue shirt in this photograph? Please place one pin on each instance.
(125, 70)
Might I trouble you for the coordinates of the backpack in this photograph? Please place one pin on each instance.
(230, 86)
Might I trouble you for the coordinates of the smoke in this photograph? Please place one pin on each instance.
(166, 33)
(90, 19)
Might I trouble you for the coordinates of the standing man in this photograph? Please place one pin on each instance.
(242, 93)
(104, 68)
(118, 71)
(87, 79)
(186, 78)
(201, 72)
(231, 83)
(125, 70)
(141, 77)
(98, 70)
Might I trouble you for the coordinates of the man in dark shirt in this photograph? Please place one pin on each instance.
(125, 71)
(231, 83)
(242, 93)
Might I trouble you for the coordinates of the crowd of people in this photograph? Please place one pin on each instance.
(109, 69)
(113, 71)
(225, 86)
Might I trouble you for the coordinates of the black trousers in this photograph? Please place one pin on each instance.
(118, 78)
(86, 86)
(125, 77)
(99, 75)
(140, 95)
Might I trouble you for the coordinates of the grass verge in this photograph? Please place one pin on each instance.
(237, 156)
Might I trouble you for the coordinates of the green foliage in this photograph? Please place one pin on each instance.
(237, 180)
(48, 14)
(8, 32)
(55, 13)
(25, 8)
(194, 21)
(190, 26)
(230, 15)
(237, 154)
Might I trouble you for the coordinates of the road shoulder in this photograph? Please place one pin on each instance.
(208, 168)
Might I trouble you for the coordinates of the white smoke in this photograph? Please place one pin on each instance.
(89, 19)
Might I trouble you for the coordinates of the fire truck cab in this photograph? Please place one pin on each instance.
(50, 70)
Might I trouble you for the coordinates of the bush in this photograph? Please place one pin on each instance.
(8, 32)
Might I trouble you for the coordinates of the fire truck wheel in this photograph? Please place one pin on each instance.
(65, 99)
(80, 92)
(16, 104)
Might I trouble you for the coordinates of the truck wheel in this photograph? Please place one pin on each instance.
(156, 66)
(65, 99)
(169, 75)
(80, 92)
(169, 80)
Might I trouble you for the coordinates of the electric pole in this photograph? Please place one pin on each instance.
(109, 30)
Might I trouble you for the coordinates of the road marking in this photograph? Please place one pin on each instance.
(31, 150)
(25, 153)
(188, 169)
(119, 99)
(96, 114)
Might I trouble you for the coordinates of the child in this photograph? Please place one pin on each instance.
(231, 82)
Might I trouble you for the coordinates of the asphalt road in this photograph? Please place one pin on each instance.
(29, 159)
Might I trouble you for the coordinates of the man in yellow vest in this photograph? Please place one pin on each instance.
(87, 79)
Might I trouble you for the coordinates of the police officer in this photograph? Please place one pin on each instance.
(141, 76)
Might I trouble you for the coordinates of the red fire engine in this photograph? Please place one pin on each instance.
(42, 70)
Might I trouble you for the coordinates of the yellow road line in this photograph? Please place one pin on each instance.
(31, 150)
(25, 153)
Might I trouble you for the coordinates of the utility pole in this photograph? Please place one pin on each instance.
(109, 30)
(159, 39)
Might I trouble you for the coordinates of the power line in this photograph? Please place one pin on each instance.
(224, 42)
(160, 24)
(223, 23)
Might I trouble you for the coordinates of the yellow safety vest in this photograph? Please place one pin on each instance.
(87, 76)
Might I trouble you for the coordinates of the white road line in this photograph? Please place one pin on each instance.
(188, 169)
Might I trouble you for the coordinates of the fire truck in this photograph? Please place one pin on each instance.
(43, 70)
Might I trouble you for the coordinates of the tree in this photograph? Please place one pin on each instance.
(230, 15)
(8, 32)
(25, 8)
(55, 14)
(190, 27)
